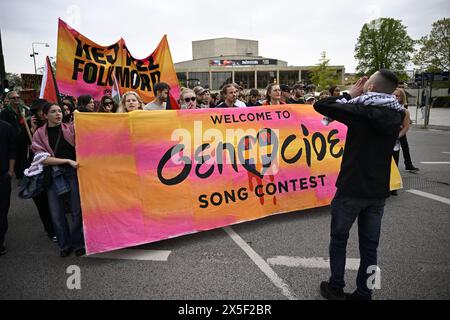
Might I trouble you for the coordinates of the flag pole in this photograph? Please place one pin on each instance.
(54, 82)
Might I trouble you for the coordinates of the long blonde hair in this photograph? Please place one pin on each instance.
(124, 97)
(403, 100)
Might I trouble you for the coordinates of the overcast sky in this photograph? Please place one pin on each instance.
(293, 31)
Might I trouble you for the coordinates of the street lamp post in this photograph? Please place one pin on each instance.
(34, 53)
(34, 58)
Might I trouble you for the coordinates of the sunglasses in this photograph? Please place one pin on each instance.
(108, 102)
(12, 98)
(190, 99)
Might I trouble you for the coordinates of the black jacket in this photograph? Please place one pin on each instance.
(372, 132)
(7, 147)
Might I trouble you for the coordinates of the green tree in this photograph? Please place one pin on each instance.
(14, 80)
(434, 49)
(322, 75)
(52, 62)
(383, 44)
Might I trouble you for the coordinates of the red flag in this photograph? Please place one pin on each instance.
(49, 89)
(172, 103)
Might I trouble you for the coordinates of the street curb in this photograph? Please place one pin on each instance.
(443, 128)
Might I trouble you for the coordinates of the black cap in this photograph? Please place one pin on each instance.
(285, 88)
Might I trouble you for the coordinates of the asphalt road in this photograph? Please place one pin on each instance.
(414, 254)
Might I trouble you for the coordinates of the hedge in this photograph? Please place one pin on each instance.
(441, 102)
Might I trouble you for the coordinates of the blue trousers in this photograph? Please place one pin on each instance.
(68, 237)
(344, 211)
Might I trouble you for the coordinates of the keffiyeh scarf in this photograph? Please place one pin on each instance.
(371, 99)
(36, 166)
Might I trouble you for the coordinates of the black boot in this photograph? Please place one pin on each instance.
(330, 293)
(410, 167)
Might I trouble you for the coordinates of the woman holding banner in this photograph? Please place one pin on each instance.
(188, 99)
(54, 146)
(108, 105)
(273, 95)
(130, 101)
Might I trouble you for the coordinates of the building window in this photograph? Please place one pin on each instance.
(245, 79)
(219, 79)
(265, 78)
(289, 77)
(198, 79)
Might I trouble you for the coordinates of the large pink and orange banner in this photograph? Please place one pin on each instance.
(151, 175)
(84, 67)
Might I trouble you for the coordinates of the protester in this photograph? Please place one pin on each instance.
(298, 91)
(7, 159)
(54, 145)
(107, 104)
(309, 98)
(4, 102)
(68, 102)
(253, 98)
(239, 103)
(229, 92)
(86, 103)
(273, 95)
(403, 129)
(285, 93)
(373, 117)
(72, 101)
(214, 100)
(188, 99)
(334, 91)
(14, 114)
(324, 94)
(161, 90)
(401, 97)
(130, 101)
(41, 200)
(67, 113)
(203, 97)
(311, 88)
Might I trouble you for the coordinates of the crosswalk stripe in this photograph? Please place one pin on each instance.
(262, 265)
(315, 262)
(435, 162)
(429, 196)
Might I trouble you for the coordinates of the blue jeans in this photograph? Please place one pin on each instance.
(67, 237)
(344, 211)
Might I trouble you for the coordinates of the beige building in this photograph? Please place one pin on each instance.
(225, 60)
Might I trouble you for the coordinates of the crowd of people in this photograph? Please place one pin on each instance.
(40, 140)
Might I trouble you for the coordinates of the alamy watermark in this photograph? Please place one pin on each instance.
(74, 280)
(374, 280)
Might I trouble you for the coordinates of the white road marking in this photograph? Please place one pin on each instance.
(430, 196)
(134, 254)
(268, 271)
(445, 152)
(316, 262)
(436, 162)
